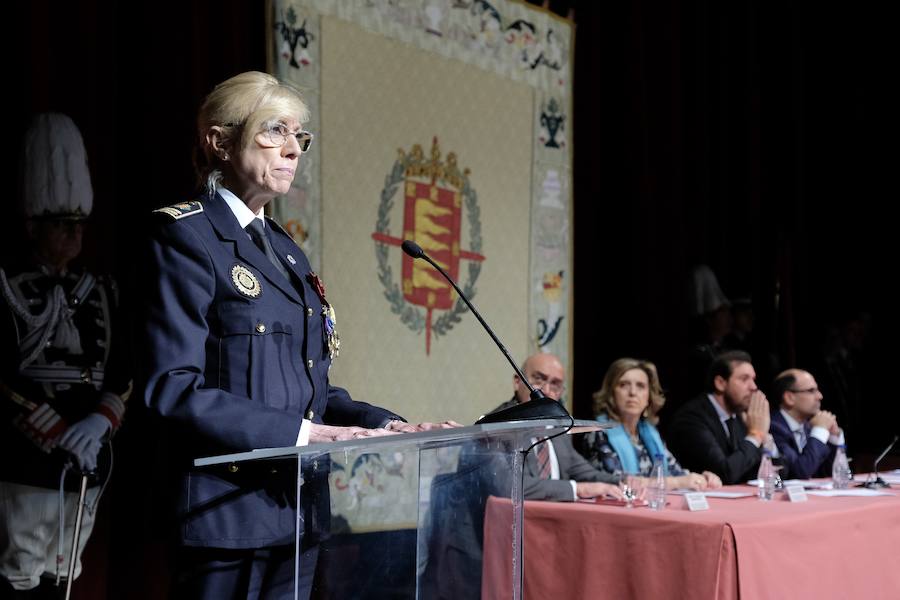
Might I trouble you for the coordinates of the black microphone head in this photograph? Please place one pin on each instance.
(412, 249)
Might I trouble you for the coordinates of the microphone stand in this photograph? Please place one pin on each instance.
(878, 482)
(539, 406)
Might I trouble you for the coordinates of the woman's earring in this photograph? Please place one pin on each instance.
(225, 156)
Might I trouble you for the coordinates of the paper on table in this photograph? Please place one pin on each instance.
(888, 476)
(850, 492)
(727, 494)
(715, 494)
(808, 484)
(637, 502)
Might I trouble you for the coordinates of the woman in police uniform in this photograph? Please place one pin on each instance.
(239, 339)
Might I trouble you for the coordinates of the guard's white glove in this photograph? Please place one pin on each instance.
(84, 438)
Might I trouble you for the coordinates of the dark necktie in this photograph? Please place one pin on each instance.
(543, 459)
(260, 237)
(733, 431)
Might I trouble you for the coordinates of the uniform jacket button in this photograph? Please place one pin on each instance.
(260, 328)
(309, 311)
(310, 414)
(309, 363)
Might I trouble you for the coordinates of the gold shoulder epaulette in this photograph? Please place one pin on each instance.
(182, 209)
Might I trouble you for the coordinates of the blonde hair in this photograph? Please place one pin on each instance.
(242, 106)
(604, 399)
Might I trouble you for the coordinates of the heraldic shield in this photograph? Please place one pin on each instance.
(431, 219)
(436, 194)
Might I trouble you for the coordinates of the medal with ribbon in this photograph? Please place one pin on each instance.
(331, 335)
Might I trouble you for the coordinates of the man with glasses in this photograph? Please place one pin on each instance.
(806, 435)
(553, 469)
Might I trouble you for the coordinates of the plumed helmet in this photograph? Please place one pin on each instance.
(705, 294)
(56, 180)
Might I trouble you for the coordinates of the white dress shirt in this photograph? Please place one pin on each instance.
(818, 432)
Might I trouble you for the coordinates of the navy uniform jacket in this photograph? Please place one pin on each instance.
(814, 461)
(230, 370)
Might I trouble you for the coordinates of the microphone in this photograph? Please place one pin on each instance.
(414, 250)
(878, 482)
(539, 406)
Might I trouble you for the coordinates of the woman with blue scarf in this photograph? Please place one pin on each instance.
(631, 397)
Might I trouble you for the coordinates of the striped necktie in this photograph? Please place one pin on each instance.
(543, 459)
(801, 435)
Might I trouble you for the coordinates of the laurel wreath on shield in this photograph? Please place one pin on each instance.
(411, 316)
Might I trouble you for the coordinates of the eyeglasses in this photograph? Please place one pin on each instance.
(811, 390)
(277, 135)
(539, 380)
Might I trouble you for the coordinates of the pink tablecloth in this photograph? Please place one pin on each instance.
(740, 548)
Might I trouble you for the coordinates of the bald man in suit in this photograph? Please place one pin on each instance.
(557, 471)
(807, 436)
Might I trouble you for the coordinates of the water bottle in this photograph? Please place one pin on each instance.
(656, 492)
(840, 470)
(766, 477)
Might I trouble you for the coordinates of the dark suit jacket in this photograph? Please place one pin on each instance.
(231, 370)
(697, 438)
(814, 461)
(572, 466)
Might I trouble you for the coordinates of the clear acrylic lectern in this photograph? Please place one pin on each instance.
(403, 516)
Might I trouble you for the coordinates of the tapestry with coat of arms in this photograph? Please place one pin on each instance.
(448, 124)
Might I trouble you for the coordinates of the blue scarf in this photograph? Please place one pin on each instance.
(621, 443)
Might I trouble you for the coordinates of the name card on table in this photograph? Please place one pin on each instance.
(796, 493)
(696, 501)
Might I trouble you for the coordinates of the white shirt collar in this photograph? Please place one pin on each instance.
(723, 414)
(243, 214)
(792, 423)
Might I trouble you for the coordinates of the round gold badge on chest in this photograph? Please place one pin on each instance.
(245, 281)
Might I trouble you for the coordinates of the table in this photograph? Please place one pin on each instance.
(739, 548)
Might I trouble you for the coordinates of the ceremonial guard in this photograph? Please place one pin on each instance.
(63, 375)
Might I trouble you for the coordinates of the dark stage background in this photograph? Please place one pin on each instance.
(753, 137)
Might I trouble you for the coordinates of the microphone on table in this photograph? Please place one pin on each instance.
(878, 482)
(539, 406)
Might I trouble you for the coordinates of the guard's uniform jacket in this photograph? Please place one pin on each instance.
(235, 357)
(60, 349)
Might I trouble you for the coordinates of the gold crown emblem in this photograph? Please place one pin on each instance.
(432, 168)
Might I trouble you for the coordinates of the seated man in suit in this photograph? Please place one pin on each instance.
(557, 472)
(724, 431)
(807, 437)
(554, 470)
